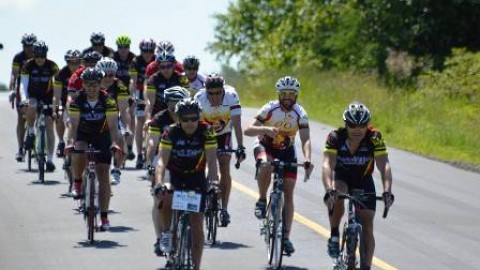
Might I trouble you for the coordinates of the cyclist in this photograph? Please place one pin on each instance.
(98, 44)
(137, 74)
(158, 82)
(37, 78)
(163, 46)
(222, 110)
(196, 80)
(94, 119)
(276, 126)
(159, 123)
(75, 82)
(19, 60)
(117, 91)
(349, 155)
(72, 57)
(124, 57)
(185, 148)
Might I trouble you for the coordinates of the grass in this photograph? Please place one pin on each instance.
(440, 128)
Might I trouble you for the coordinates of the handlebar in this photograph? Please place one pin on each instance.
(357, 198)
(280, 164)
(236, 151)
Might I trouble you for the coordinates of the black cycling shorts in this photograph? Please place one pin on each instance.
(287, 155)
(224, 142)
(101, 142)
(366, 185)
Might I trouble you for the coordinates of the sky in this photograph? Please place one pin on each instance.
(66, 24)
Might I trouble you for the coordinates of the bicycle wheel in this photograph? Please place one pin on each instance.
(351, 246)
(184, 258)
(211, 218)
(68, 172)
(276, 233)
(41, 156)
(29, 160)
(361, 247)
(90, 204)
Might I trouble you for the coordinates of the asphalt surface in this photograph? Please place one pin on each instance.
(432, 225)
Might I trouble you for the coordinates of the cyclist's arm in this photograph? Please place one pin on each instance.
(74, 120)
(164, 155)
(152, 140)
(383, 166)
(211, 156)
(306, 143)
(237, 126)
(150, 101)
(329, 162)
(255, 129)
(14, 76)
(112, 119)
(24, 81)
(124, 112)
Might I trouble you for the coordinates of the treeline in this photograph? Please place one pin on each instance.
(402, 37)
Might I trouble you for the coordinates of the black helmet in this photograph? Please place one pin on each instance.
(176, 93)
(40, 48)
(214, 80)
(92, 57)
(147, 45)
(187, 106)
(97, 38)
(92, 74)
(165, 57)
(28, 39)
(357, 114)
(73, 55)
(191, 61)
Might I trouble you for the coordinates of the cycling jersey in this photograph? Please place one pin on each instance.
(288, 123)
(106, 52)
(159, 122)
(158, 84)
(38, 79)
(220, 116)
(197, 83)
(93, 119)
(117, 90)
(187, 152)
(358, 165)
(152, 68)
(124, 67)
(61, 80)
(75, 82)
(138, 67)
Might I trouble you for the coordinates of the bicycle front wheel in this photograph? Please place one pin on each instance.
(184, 245)
(211, 218)
(91, 211)
(41, 156)
(276, 233)
(361, 247)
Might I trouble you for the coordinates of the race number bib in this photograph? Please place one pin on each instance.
(186, 201)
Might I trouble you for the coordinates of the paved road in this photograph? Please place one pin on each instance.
(431, 226)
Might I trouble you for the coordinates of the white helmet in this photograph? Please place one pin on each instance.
(287, 83)
(107, 64)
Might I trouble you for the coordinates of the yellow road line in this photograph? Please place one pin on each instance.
(310, 224)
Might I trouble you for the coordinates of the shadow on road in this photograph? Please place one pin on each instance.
(46, 183)
(100, 244)
(121, 229)
(227, 245)
(288, 268)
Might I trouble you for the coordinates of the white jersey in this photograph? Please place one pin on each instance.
(198, 83)
(219, 117)
(288, 123)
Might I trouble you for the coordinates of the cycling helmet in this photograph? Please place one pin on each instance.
(214, 80)
(165, 57)
(165, 46)
(191, 61)
(40, 48)
(73, 55)
(147, 45)
(92, 74)
(29, 39)
(123, 40)
(97, 38)
(357, 114)
(107, 64)
(92, 57)
(287, 83)
(175, 93)
(187, 106)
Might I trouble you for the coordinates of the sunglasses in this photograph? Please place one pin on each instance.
(356, 125)
(148, 51)
(288, 93)
(165, 66)
(40, 56)
(191, 68)
(110, 75)
(123, 47)
(216, 93)
(189, 119)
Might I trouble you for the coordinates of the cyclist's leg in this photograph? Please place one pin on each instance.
(31, 116)
(79, 163)
(103, 161)
(60, 130)
(264, 172)
(50, 137)
(366, 219)
(224, 142)
(21, 128)
(139, 140)
(196, 220)
(129, 139)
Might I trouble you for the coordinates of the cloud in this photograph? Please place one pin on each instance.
(18, 4)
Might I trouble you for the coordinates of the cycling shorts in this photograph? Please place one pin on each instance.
(366, 185)
(224, 142)
(287, 155)
(99, 142)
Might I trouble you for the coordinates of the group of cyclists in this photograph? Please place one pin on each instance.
(181, 123)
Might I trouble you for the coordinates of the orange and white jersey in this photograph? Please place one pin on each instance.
(219, 117)
(288, 123)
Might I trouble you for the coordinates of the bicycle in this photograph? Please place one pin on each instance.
(213, 203)
(89, 203)
(352, 236)
(272, 226)
(184, 202)
(40, 144)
